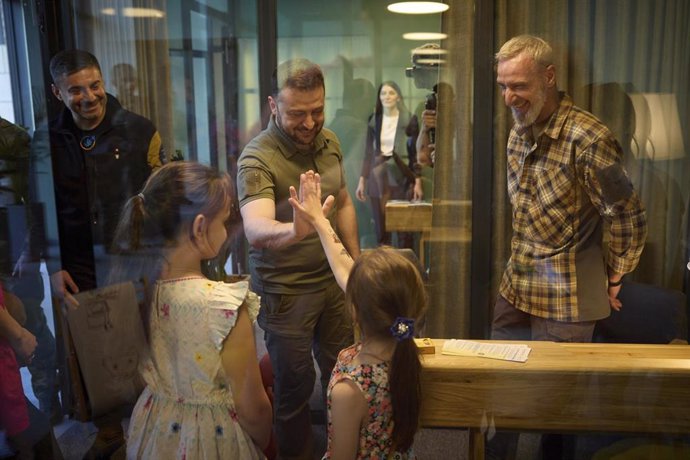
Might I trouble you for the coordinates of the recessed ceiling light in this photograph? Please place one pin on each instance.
(417, 7)
(424, 36)
(130, 12)
(142, 13)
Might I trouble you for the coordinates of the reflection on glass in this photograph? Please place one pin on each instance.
(27, 338)
(389, 168)
(198, 27)
(201, 120)
(353, 46)
(192, 68)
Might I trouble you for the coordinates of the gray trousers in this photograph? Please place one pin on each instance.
(509, 323)
(296, 325)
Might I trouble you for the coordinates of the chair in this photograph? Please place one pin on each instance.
(650, 314)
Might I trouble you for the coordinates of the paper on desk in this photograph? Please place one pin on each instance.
(407, 203)
(504, 351)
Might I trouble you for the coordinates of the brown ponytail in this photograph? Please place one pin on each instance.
(406, 393)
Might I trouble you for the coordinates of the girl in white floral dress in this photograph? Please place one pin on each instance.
(203, 395)
(374, 393)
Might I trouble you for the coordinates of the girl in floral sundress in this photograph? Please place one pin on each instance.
(374, 394)
(203, 395)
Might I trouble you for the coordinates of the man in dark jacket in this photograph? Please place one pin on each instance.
(102, 155)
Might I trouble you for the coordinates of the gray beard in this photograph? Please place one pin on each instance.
(533, 112)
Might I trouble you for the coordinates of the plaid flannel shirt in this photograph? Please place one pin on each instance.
(563, 188)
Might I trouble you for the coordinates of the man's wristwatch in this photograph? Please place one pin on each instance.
(615, 283)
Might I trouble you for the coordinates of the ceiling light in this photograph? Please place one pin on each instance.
(417, 7)
(142, 13)
(130, 12)
(424, 36)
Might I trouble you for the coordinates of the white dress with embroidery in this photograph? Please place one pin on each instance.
(187, 410)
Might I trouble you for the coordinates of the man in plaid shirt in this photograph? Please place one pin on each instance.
(569, 193)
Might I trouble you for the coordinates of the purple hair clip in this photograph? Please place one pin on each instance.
(402, 328)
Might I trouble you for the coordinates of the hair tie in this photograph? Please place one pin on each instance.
(141, 195)
(402, 328)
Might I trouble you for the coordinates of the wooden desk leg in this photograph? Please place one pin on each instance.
(422, 240)
(476, 441)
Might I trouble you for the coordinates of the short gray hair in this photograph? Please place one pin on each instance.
(534, 47)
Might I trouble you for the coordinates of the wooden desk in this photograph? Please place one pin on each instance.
(563, 387)
(409, 216)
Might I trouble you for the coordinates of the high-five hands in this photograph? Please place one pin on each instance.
(307, 205)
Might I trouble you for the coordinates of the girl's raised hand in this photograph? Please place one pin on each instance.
(308, 205)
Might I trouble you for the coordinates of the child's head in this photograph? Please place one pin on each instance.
(169, 203)
(385, 285)
(386, 292)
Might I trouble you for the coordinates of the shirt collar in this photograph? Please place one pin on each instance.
(557, 121)
(287, 146)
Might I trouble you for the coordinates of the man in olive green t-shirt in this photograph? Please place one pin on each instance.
(302, 307)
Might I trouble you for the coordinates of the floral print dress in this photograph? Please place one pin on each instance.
(187, 410)
(375, 439)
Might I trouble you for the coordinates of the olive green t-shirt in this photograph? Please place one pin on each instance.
(268, 166)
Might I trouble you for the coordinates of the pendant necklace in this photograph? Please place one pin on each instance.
(88, 142)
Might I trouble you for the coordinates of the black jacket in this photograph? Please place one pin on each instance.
(92, 186)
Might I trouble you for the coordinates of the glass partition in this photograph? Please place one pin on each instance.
(192, 69)
(360, 46)
(28, 240)
(629, 74)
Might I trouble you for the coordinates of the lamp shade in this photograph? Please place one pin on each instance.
(657, 126)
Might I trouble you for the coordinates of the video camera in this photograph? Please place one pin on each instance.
(426, 61)
(430, 104)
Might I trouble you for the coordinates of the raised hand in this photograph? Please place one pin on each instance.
(307, 205)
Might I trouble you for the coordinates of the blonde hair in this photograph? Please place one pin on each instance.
(534, 47)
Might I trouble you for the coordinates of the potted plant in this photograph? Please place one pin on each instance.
(15, 147)
(15, 215)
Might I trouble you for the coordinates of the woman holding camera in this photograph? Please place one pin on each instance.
(390, 169)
